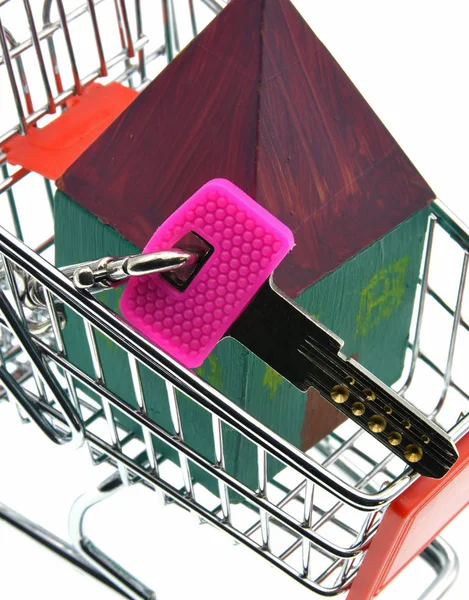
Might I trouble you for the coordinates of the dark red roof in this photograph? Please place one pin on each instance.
(255, 98)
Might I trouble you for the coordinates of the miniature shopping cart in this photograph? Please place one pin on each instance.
(329, 510)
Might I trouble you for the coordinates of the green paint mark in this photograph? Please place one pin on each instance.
(382, 296)
(214, 375)
(271, 381)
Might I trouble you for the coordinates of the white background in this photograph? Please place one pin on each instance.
(410, 60)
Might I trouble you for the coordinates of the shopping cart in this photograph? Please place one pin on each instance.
(317, 518)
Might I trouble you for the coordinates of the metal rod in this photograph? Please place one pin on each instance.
(220, 462)
(99, 377)
(174, 25)
(189, 383)
(126, 25)
(25, 342)
(50, 29)
(109, 569)
(421, 304)
(295, 492)
(177, 426)
(62, 97)
(50, 541)
(46, 13)
(262, 483)
(444, 560)
(97, 37)
(40, 57)
(167, 30)
(75, 436)
(307, 522)
(454, 335)
(13, 207)
(326, 517)
(21, 72)
(138, 389)
(57, 331)
(11, 75)
(208, 516)
(71, 53)
(178, 445)
(193, 17)
(141, 53)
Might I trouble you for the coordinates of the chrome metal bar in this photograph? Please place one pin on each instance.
(6, 391)
(40, 57)
(444, 560)
(57, 331)
(50, 541)
(262, 483)
(99, 378)
(62, 97)
(21, 72)
(458, 230)
(189, 383)
(22, 322)
(448, 309)
(213, 5)
(421, 304)
(222, 411)
(193, 17)
(174, 26)
(167, 30)
(14, 87)
(46, 13)
(8, 183)
(75, 436)
(326, 517)
(428, 361)
(141, 53)
(308, 509)
(126, 29)
(174, 442)
(209, 516)
(13, 207)
(138, 389)
(295, 492)
(220, 462)
(329, 570)
(454, 335)
(97, 37)
(71, 52)
(50, 29)
(176, 421)
(110, 570)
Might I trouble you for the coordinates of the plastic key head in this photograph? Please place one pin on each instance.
(242, 245)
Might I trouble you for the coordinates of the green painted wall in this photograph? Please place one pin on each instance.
(368, 302)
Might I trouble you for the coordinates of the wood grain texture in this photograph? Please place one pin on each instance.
(258, 99)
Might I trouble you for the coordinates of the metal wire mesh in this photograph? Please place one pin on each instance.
(315, 519)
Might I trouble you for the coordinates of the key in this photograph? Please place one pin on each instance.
(102, 274)
(229, 291)
(308, 355)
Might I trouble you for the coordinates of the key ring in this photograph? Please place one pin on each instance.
(109, 272)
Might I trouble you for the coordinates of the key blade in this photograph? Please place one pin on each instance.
(385, 415)
(308, 355)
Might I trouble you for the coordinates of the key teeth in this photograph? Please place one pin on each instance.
(428, 465)
(436, 459)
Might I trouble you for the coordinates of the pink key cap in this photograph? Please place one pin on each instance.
(248, 244)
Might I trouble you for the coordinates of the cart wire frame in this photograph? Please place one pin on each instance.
(316, 519)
